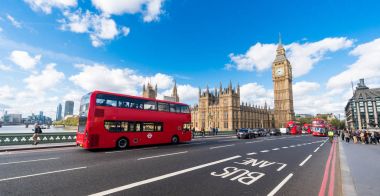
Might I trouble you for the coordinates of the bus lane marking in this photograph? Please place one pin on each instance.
(150, 180)
(162, 155)
(28, 161)
(304, 161)
(279, 186)
(215, 147)
(40, 174)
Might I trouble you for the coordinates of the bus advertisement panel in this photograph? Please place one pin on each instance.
(294, 127)
(109, 120)
(319, 127)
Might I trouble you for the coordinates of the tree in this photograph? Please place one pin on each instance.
(306, 120)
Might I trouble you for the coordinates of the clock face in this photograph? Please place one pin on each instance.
(279, 71)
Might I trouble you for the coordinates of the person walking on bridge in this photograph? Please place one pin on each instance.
(37, 130)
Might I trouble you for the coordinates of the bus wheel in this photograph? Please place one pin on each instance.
(175, 139)
(122, 143)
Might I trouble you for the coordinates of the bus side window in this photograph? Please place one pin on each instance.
(163, 107)
(101, 102)
(158, 127)
(185, 109)
(138, 126)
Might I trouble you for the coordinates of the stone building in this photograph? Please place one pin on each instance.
(149, 91)
(363, 109)
(283, 88)
(222, 109)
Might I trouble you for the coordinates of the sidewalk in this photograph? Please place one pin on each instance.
(360, 168)
(33, 147)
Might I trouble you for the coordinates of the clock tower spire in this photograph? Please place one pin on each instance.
(282, 86)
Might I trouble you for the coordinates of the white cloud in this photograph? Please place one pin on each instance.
(24, 60)
(6, 92)
(99, 27)
(366, 66)
(126, 31)
(47, 79)
(5, 67)
(47, 5)
(13, 21)
(256, 94)
(101, 77)
(187, 94)
(302, 56)
(1, 29)
(151, 9)
(303, 88)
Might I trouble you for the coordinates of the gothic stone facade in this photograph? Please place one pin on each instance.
(282, 86)
(222, 109)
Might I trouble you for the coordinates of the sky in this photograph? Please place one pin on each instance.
(57, 50)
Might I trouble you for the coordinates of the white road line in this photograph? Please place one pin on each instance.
(36, 151)
(252, 153)
(215, 147)
(309, 143)
(253, 142)
(321, 144)
(282, 183)
(35, 160)
(275, 149)
(316, 149)
(284, 147)
(233, 140)
(162, 155)
(292, 146)
(199, 143)
(304, 161)
(39, 174)
(150, 180)
(117, 151)
(264, 151)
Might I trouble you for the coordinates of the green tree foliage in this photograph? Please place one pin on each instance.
(70, 121)
(305, 120)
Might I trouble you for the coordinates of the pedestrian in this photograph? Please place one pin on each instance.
(37, 131)
(373, 138)
(347, 136)
(362, 137)
(355, 137)
(216, 130)
(331, 135)
(203, 131)
(342, 134)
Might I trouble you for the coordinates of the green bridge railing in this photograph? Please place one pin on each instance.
(7, 139)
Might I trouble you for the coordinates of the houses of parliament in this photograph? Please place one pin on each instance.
(222, 109)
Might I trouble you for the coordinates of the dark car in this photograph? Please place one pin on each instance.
(274, 132)
(245, 134)
(259, 132)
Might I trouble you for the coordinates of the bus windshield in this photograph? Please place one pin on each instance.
(83, 112)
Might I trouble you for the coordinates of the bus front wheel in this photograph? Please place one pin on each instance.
(122, 143)
(175, 140)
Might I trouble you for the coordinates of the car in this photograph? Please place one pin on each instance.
(274, 132)
(259, 132)
(284, 131)
(245, 134)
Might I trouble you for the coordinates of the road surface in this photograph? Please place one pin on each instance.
(276, 165)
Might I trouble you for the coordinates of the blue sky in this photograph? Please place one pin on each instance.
(51, 51)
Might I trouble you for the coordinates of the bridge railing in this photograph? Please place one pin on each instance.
(7, 139)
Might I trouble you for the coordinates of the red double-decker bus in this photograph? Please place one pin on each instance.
(294, 127)
(319, 127)
(109, 120)
(306, 128)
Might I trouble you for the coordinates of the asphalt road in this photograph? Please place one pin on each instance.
(277, 165)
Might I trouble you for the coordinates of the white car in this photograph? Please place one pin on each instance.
(284, 131)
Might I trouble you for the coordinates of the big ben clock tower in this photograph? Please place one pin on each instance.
(282, 86)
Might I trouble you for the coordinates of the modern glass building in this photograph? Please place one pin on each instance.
(69, 108)
(363, 109)
(59, 112)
